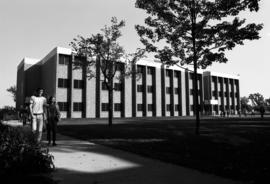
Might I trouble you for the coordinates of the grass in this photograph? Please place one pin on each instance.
(234, 148)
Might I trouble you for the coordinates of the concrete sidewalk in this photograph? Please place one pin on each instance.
(82, 162)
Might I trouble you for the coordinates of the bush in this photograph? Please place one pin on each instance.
(21, 154)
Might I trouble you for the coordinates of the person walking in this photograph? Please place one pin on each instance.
(262, 111)
(53, 115)
(37, 104)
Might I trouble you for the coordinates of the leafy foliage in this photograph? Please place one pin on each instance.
(245, 103)
(102, 50)
(196, 29)
(13, 91)
(257, 99)
(20, 154)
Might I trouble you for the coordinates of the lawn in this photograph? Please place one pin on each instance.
(232, 148)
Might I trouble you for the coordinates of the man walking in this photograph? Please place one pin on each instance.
(37, 103)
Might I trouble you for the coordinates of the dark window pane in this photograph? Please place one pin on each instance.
(139, 88)
(63, 83)
(117, 86)
(105, 107)
(150, 89)
(104, 86)
(77, 106)
(168, 107)
(78, 84)
(150, 107)
(140, 69)
(168, 90)
(176, 90)
(117, 107)
(150, 70)
(63, 106)
(139, 107)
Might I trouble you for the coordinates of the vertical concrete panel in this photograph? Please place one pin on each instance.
(233, 95)
(187, 88)
(183, 92)
(70, 89)
(172, 92)
(91, 98)
(144, 84)
(158, 91)
(134, 91)
(128, 97)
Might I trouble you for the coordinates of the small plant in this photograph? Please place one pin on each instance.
(21, 155)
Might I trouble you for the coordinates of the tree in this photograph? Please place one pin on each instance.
(102, 50)
(245, 103)
(257, 100)
(196, 32)
(267, 102)
(13, 91)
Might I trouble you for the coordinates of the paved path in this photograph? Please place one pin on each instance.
(81, 162)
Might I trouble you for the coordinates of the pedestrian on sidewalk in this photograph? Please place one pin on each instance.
(53, 117)
(37, 105)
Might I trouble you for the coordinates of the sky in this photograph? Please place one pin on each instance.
(32, 28)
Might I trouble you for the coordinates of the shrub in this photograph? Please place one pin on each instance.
(21, 154)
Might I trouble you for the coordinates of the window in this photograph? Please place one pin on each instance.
(117, 107)
(63, 106)
(220, 93)
(168, 90)
(191, 107)
(78, 84)
(64, 59)
(168, 73)
(139, 107)
(79, 59)
(63, 83)
(117, 86)
(150, 70)
(139, 88)
(176, 107)
(150, 107)
(176, 74)
(168, 107)
(104, 106)
(150, 89)
(176, 91)
(118, 67)
(77, 106)
(104, 86)
(140, 69)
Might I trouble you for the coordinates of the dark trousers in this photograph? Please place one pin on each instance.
(51, 128)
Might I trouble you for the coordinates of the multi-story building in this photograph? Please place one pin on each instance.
(159, 91)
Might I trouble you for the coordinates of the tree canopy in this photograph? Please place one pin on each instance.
(214, 25)
(13, 91)
(197, 32)
(103, 51)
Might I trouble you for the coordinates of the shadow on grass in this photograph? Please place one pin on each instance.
(99, 164)
(237, 149)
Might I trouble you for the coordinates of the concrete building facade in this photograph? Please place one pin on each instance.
(157, 90)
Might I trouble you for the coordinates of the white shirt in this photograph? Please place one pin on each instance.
(38, 104)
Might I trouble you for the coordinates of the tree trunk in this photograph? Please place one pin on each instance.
(110, 99)
(195, 77)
